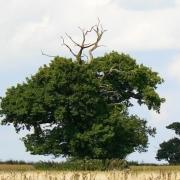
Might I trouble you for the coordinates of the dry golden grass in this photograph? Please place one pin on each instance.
(111, 175)
(16, 167)
(26, 172)
(155, 168)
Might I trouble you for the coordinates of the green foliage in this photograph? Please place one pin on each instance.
(81, 110)
(83, 165)
(128, 80)
(175, 126)
(170, 150)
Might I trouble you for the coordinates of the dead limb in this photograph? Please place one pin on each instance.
(99, 31)
(44, 54)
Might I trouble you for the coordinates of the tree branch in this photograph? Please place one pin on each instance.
(44, 54)
(64, 44)
(98, 29)
(99, 32)
(73, 40)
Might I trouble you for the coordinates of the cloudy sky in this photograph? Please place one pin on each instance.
(147, 30)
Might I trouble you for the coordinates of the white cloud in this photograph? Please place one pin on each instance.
(146, 5)
(97, 2)
(174, 68)
(27, 27)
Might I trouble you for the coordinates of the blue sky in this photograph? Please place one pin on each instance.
(147, 30)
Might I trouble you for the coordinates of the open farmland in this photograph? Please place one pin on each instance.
(27, 172)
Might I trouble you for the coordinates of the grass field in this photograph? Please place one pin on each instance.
(27, 172)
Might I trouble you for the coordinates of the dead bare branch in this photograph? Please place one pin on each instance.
(44, 54)
(112, 69)
(73, 40)
(84, 55)
(99, 31)
(64, 44)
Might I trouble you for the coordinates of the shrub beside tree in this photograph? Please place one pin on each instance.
(170, 150)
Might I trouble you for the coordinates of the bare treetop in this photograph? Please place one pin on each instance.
(98, 30)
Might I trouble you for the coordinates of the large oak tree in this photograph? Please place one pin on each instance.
(78, 109)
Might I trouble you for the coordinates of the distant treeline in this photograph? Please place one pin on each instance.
(17, 162)
(75, 165)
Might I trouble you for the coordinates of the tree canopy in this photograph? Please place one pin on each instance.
(81, 109)
(170, 150)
